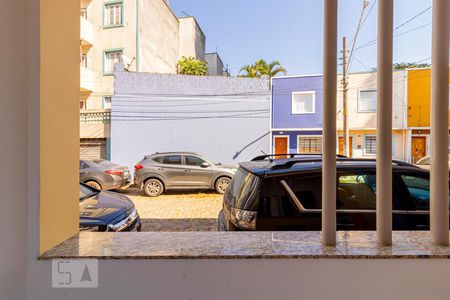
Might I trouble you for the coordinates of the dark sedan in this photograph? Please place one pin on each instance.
(106, 211)
(104, 175)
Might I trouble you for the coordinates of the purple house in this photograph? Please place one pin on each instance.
(296, 114)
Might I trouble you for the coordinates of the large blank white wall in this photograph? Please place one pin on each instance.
(215, 116)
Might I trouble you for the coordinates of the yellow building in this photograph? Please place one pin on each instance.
(419, 100)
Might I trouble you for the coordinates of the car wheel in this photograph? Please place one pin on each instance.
(94, 184)
(153, 187)
(222, 184)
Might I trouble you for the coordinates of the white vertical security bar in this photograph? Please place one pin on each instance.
(439, 123)
(384, 122)
(329, 123)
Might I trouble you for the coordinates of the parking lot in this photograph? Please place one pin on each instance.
(177, 211)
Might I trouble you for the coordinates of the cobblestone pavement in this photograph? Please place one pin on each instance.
(177, 211)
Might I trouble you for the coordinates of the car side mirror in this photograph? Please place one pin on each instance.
(204, 165)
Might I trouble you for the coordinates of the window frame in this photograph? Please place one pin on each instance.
(359, 100)
(171, 155)
(105, 14)
(308, 136)
(84, 13)
(364, 145)
(104, 102)
(188, 155)
(105, 59)
(83, 104)
(84, 60)
(313, 93)
(358, 172)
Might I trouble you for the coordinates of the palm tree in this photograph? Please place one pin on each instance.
(260, 67)
(271, 69)
(250, 70)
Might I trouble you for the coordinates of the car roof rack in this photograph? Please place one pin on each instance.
(340, 158)
(291, 155)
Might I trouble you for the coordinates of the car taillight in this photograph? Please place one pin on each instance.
(114, 172)
(138, 167)
(243, 219)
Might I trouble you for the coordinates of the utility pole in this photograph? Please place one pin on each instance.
(345, 65)
(346, 138)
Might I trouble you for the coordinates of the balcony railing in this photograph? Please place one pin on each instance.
(95, 117)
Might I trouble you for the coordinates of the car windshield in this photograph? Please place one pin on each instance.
(86, 192)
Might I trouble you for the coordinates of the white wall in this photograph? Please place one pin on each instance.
(192, 39)
(140, 98)
(259, 279)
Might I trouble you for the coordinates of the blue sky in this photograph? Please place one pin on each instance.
(291, 31)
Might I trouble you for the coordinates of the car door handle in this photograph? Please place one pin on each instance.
(160, 169)
(187, 171)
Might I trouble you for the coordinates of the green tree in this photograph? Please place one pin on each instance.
(250, 71)
(261, 67)
(404, 65)
(192, 66)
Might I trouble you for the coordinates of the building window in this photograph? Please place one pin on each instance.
(82, 104)
(303, 102)
(367, 101)
(110, 59)
(370, 144)
(83, 60)
(83, 13)
(107, 102)
(113, 14)
(307, 144)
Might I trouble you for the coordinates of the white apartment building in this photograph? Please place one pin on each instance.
(143, 34)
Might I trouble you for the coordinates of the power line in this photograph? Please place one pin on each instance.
(399, 26)
(374, 41)
(413, 18)
(365, 4)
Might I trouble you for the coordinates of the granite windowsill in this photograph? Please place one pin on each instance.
(244, 245)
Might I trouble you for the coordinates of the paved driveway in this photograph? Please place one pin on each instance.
(177, 211)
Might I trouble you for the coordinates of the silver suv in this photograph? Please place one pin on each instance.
(181, 170)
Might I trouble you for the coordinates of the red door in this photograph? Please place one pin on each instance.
(418, 147)
(281, 145)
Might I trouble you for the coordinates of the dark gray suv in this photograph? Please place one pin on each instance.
(158, 172)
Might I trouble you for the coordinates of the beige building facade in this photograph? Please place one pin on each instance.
(143, 34)
(362, 118)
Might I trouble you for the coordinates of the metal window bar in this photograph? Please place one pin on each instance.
(439, 221)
